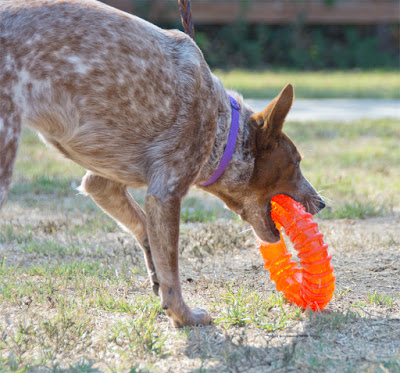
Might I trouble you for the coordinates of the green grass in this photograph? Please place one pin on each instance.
(142, 336)
(380, 299)
(23, 238)
(59, 187)
(336, 320)
(242, 307)
(322, 84)
(11, 233)
(69, 327)
(34, 163)
(195, 209)
(356, 210)
(354, 165)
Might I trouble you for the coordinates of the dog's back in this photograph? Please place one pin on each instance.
(97, 83)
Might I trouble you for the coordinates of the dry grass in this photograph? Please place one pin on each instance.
(314, 84)
(74, 295)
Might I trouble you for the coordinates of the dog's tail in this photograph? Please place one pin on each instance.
(186, 17)
(10, 132)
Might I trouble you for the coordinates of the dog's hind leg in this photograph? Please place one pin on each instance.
(115, 200)
(10, 132)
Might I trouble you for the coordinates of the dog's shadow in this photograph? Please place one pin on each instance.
(238, 349)
(322, 339)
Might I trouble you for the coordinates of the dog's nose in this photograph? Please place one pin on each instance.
(321, 204)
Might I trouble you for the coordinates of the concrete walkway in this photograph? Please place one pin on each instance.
(337, 110)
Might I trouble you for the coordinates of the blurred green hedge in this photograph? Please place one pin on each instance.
(300, 46)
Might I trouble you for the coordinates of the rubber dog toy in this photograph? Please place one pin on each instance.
(313, 284)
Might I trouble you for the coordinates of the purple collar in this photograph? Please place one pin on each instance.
(230, 145)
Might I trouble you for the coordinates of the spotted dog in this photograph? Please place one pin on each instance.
(138, 106)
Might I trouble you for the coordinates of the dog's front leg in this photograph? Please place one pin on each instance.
(163, 229)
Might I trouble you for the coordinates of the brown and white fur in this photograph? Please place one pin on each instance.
(138, 106)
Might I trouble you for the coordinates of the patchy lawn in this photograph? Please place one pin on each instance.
(74, 293)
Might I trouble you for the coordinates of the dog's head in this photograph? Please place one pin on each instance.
(276, 171)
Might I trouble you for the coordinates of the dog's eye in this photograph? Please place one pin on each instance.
(298, 164)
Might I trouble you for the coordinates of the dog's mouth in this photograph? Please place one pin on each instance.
(270, 222)
(268, 231)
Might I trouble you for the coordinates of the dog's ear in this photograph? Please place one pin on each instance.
(269, 122)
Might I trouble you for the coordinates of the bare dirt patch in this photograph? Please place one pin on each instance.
(101, 316)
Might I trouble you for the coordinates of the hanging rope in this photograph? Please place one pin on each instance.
(186, 16)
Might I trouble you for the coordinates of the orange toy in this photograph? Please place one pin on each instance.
(313, 284)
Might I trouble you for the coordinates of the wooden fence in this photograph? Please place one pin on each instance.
(317, 12)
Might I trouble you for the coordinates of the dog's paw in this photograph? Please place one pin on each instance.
(202, 317)
(196, 317)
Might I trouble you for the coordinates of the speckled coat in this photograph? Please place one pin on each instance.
(138, 106)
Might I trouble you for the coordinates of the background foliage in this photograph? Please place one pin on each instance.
(300, 46)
